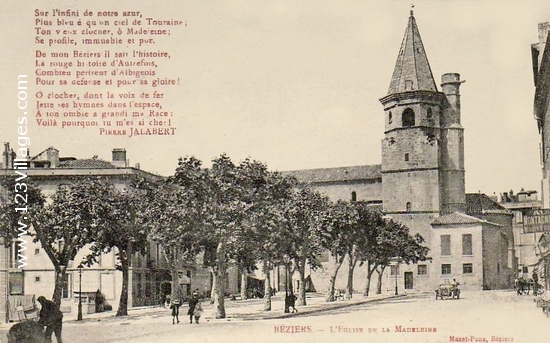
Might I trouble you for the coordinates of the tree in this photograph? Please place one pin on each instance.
(360, 238)
(337, 231)
(63, 225)
(226, 208)
(303, 217)
(123, 231)
(267, 192)
(391, 242)
(174, 216)
(400, 246)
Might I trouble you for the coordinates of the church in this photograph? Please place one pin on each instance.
(421, 183)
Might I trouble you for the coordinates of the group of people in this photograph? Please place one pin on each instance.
(524, 286)
(194, 312)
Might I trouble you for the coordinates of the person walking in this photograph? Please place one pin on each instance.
(198, 311)
(192, 304)
(51, 317)
(175, 307)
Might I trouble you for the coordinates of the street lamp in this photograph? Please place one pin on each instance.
(286, 260)
(396, 272)
(79, 317)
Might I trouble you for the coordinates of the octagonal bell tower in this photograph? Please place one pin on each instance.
(422, 161)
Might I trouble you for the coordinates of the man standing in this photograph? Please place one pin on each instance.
(192, 303)
(51, 317)
(535, 282)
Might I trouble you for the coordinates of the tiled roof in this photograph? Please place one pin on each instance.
(86, 164)
(478, 203)
(340, 174)
(457, 218)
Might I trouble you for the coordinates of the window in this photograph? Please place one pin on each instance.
(422, 269)
(66, 291)
(37, 279)
(394, 270)
(446, 269)
(467, 268)
(498, 268)
(407, 157)
(36, 251)
(353, 196)
(408, 85)
(467, 245)
(15, 283)
(519, 216)
(408, 206)
(390, 118)
(525, 270)
(408, 118)
(445, 245)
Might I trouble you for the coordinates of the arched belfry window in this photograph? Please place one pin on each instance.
(390, 118)
(408, 117)
(409, 207)
(353, 196)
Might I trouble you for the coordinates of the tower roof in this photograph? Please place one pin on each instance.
(412, 71)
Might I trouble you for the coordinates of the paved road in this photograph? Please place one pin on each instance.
(477, 317)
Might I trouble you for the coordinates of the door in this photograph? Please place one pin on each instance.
(408, 280)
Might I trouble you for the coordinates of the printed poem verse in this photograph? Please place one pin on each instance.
(103, 71)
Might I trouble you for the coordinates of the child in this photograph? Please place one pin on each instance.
(198, 311)
(175, 307)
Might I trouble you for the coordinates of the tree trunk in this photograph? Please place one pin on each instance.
(172, 260)
(58, 288)
(267, 287)
(290, 269)
(244, 283)
(214, 285)
(125, 264)
(369, 275)
(349, 286)
(219, 301)
(379, 283)
(331, 285)
(302, 286)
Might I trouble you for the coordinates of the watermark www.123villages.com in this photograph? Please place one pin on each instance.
(20, 167)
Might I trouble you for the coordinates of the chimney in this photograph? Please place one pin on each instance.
(119, 157)
(8, 156)
(53, 157)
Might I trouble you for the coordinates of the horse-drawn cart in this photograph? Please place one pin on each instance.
(447, 291)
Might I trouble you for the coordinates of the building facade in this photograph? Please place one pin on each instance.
(149, 275)
(540, 53)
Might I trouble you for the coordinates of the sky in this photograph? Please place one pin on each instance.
(296, 84)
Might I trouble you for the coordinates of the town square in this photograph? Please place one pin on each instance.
(359, 171)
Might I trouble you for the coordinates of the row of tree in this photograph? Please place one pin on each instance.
(230, 213)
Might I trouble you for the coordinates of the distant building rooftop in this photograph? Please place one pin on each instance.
(458, 218)
(340, 174)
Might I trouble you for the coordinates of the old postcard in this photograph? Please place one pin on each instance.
(275, 171)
